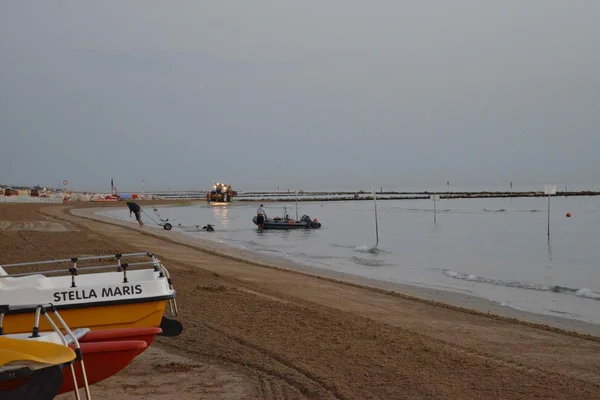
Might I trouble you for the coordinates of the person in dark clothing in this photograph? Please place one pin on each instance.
(261, 216)
(134, 208)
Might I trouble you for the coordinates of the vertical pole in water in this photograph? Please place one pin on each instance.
(376, 227)
(434, 210)
(549, 190)
(548, 217)
(296, 194)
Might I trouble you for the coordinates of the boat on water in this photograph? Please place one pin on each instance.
(287, 222)
(126, 293)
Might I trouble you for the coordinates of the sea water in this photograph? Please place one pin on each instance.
(496, 249)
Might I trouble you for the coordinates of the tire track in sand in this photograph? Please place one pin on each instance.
(272, 389)
(271, 382)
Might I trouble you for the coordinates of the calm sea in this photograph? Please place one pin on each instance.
(497, 249)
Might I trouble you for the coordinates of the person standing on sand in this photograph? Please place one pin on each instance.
(134, 208)
(260, 217)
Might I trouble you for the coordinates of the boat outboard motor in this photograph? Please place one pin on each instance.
(310, 222)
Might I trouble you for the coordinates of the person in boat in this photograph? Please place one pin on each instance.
(134, 208)
(261, 215)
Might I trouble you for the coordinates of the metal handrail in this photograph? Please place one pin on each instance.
(74, 270)
(74, 259)
(57, 271)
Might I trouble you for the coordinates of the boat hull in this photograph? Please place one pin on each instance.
(125, 315)
(102, 360)
(268, 225)
(285, 224)
(146, 335)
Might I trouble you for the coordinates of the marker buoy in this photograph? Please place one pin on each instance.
(568, 215)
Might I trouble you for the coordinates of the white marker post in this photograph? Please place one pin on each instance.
(549, 190)
(435, 197)
(376, 226)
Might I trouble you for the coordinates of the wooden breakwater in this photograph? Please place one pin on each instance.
(478, 195)
(362, 196)
(348, 198)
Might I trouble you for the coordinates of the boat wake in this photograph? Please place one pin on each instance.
(583, 292)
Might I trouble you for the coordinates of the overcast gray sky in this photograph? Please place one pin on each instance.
(301, 94)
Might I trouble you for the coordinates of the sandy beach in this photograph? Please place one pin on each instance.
(257, 330)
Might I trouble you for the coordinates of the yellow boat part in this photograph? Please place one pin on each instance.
(124, 315)
(33, 354)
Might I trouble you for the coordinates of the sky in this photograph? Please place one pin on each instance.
(328, 94)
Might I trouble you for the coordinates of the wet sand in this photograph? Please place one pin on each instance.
(259, 332)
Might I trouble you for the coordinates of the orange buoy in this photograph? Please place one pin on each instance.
(568, 215)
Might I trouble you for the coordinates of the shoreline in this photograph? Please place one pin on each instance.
(438, 297)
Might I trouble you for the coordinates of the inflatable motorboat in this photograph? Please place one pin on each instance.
(289, 223)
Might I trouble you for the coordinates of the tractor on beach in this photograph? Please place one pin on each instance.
(221, 192)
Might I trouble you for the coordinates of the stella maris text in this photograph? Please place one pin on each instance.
(107, 292)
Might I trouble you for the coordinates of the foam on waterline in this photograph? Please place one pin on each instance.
(583, 292)
(364, 248)
(589, 293)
